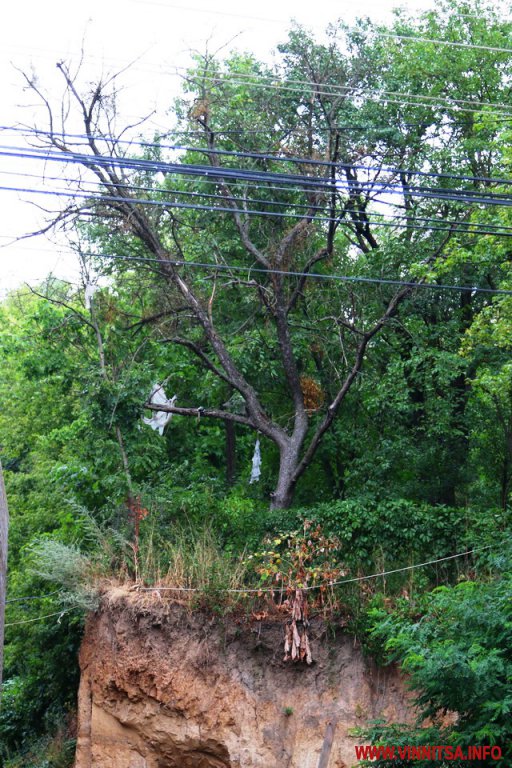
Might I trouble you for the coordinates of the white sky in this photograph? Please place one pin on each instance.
(38, 33)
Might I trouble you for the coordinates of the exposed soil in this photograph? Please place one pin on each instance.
(163, 687)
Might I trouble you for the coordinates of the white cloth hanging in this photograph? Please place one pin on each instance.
(159, 419)
(256, 463)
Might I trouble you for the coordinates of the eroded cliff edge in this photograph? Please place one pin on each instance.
(162, 687)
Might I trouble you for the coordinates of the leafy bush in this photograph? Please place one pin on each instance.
(396, 532)
(459, 658)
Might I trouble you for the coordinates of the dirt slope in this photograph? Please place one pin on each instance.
(164, 688)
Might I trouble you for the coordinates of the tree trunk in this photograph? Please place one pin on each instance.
(282, 496)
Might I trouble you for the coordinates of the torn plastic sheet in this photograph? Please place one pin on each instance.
(256, 463)
(159, 419)
(90, 290)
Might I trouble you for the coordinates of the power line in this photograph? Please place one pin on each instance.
(218, 196)
(258, 590)
(273, 157)
(173, 204)
(268, 20)
(355, 91)
(339, 583)
(437, 100)
(348, 218)
(168, 131)
(382, 96)
(436, 11)
(376, 32)
(223, 173)
(315, 275)
(272, 81)
(440, 193)
(466, 225)
(32, 597)
(369, 216)
(437, 41)
(41, 618)
(166, 191)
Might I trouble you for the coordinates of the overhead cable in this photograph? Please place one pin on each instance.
(277, 158)
(32, 597)
(378, 97)
(223, 173)
(329, 583)
(174, 204)
(41, 618)
(291, 273)
(377, 32)
(486, 228)
(451, 43)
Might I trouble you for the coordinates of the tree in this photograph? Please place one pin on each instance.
(325, 112)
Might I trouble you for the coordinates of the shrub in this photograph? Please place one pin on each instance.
(459, 658)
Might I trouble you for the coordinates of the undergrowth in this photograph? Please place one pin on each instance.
(196, 565)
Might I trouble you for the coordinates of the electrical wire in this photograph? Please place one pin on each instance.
(314, 275)
(259, 590)
(267, 20)
(223, 173)
(437, 41)
(441, 194)
(322, 89)
(384, 97)
(350, 90)
(268, 590)
(41, 618)
(32, 597)
(448, 102)
(355, 91)
(376, 32)
(124, 200)
(173, 204)
(375, 219)
(490, 227)
(466, 226)
(278, 158)
(219, 172)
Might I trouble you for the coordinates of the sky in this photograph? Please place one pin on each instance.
(155, 37)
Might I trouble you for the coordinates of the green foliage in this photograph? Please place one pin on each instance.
(297, 559)
(417, 466)
(394, 532)
(41, 679)
(458, 656)
(57, 751)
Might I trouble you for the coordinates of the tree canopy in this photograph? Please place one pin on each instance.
(314, 254)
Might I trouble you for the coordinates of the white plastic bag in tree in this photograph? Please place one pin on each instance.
(256, 463)
(90, 290)
(159, 419)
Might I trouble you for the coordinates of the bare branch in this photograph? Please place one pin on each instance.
(202, 355)
(61, 303)
(212, 413)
